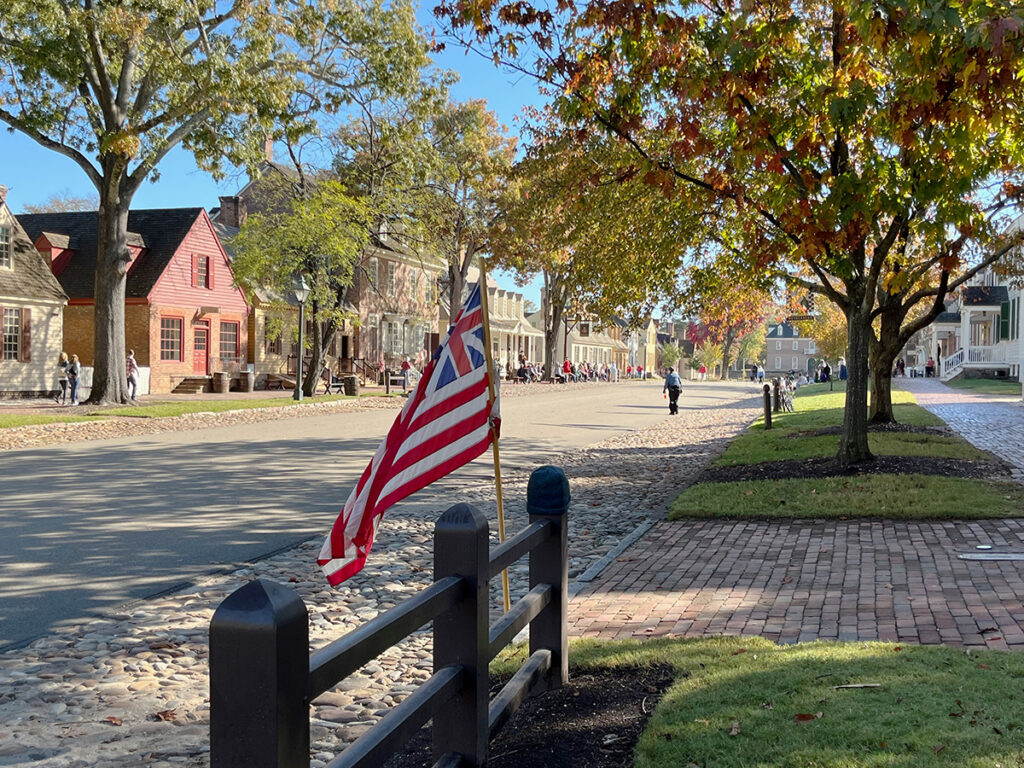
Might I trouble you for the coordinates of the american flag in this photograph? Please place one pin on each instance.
(448, 421)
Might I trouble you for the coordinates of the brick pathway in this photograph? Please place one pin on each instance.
(797, 581)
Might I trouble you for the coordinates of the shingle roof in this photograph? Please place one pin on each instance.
(984, 295)
(30, 277)
(783, 331)
(161, 229)
(948, 317)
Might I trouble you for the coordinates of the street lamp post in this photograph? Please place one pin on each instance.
(301, 293)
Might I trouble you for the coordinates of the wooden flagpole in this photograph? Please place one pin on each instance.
(494, 442)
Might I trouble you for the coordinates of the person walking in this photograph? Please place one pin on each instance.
(74, 373)
(406, 375)
(703, 372)
(132, 369)
(760, 374)
(673, 385)
(62, 379)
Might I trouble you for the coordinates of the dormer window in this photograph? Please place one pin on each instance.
(5, 247)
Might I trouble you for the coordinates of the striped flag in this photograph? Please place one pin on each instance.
(448, 421)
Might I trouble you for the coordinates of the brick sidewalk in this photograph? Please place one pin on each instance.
(793, 581)
(801, 581)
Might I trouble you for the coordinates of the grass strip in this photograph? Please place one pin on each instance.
(987, 386)
(747, 702)
(11, 420)
(891, 497)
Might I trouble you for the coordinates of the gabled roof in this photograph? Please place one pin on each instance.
(948, 317)
(162, 230)
(783, 331)
(984, 295)
(30, 277)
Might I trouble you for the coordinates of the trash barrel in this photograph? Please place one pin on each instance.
(248, 381)
(350, 385)
(221, 382)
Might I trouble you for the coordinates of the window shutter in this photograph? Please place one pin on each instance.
(209, 272)
(1004, 320)
(25, 350)
(195, 271)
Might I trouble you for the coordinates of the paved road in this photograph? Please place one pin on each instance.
(88, 526)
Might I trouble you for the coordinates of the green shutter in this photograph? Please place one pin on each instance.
(1004, 320)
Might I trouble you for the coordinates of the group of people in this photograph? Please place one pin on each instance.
(634, 372)
(69, 376)
(586, 371)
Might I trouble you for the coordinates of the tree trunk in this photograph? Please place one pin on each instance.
(551, 339)
(456, 287)
(109, 378)
(726, 349)
(853, 445)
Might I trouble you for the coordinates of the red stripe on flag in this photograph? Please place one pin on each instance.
(421, 481)
(449, 404)
(438, 441)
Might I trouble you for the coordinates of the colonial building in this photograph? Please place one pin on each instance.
(184, 316)
(31, 313)
(513, 336)
(787, 350)
(393, 299)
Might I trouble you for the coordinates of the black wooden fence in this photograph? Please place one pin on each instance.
(262, 678)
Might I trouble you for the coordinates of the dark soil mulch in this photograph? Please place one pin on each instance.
(880, 465)
(943, 431)
(594, 721)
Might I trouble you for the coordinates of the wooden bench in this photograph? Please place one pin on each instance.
(275, 381)
(332, 383)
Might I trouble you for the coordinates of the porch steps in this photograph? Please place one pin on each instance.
(191, 385)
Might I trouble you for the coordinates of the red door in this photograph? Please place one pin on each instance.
(201, 350)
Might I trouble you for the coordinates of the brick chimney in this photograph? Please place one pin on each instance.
(268, 149)
(3, 194)
(232, 211)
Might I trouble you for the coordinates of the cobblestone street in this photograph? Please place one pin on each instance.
(93, 695)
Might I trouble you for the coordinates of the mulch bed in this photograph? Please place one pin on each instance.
(880, 465)
(594, 721)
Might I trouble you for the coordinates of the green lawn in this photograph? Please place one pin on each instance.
(8, 420)
(748, 703)
(987, 386)
(793, 436)
(893, 497)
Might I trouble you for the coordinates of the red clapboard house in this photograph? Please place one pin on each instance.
(184, 317)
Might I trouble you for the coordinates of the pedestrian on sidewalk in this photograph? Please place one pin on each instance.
(673, 385)
(132, 368)
(74, 372)
(62, 379)
(406, 367)
(929, 367)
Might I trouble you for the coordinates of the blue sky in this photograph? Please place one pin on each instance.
(33, 174)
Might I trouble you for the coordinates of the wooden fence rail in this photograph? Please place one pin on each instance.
(262, 677)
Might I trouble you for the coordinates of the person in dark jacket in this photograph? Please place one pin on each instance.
(673, 385)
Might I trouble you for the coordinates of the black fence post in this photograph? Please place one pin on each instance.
(767, 407)
(462, 548)
(776, 395)
(259, 673)
(547, 498)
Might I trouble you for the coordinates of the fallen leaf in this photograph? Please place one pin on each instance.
(988, 629)
(984, 666)
(113, 720)
(997, 730)
(803, 717)
(767, 705)
(898, 648)
(787, 580)
(167, 715)
(735, 729)
(939, 748)
(738, 651)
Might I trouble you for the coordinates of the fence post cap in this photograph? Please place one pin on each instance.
(767, 388)
(547, 493)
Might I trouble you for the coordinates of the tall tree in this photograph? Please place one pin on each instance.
(820, 135)
(116, 86)
(473, 159)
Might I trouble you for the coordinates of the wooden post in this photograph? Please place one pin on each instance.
(259, 672)
(547, 498)
(767, 407)
(461, 634)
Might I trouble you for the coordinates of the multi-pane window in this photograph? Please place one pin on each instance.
(228, 341)
(778, 363)
(395, 337)
(796, 345)
(373, 271)
(12, 333)
(796, 362)
(203, 272)
(170, 338)
(273, 343)
(778, 345)
(391, 278)
(5, 247)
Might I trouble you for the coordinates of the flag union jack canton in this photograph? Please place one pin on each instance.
(448, 421)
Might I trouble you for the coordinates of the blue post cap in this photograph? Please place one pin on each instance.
(547, 493)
